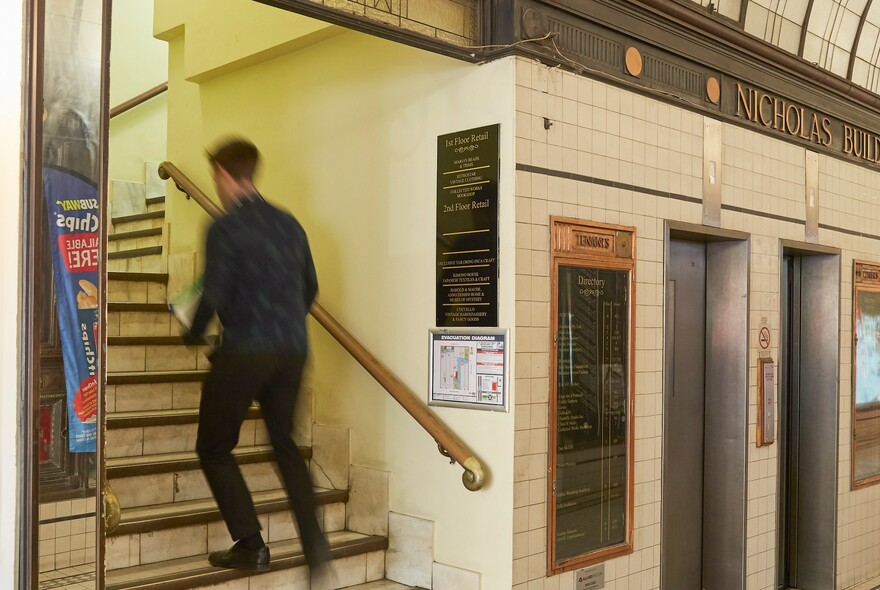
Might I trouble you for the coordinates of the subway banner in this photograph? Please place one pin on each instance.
(72, 206)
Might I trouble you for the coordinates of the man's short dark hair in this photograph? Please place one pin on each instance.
(239, 157)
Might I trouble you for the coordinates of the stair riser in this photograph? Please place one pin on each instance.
(162, 488)
(144, 548)
(142, 323)
(153, 396)
(132, 442)
(136, 292)
(149, 263)
(134, 243)
(157, 358)
(352, 572)
(127, 226)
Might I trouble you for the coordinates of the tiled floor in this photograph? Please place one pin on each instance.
(80, 577)
(873, 584)
(83, 578)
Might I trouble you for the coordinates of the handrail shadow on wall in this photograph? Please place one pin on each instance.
(448, 444)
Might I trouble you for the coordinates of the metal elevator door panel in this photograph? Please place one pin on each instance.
(789, 385)
(684, 410)
(808, 428)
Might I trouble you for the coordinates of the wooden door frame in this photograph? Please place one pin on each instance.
(27, 561)
(29, 507)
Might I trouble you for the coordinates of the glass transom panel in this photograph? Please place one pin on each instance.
(824, 32)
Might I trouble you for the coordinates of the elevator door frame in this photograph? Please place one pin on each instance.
(727, 383)
(823, 367)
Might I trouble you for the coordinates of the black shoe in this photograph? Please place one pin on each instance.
(242, 559)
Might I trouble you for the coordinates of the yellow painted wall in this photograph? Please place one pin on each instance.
(348, 129)
(11, 41)
(225, 35)
(138, 62)
(209, 38)
(186, 148)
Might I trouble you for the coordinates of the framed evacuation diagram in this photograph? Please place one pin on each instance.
(468, 368)
(866, 375)
(591, 399)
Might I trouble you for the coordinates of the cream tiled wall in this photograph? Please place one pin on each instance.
(67, 533)
(850, 199)
(613, 156)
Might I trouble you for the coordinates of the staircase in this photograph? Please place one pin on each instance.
(169, 522)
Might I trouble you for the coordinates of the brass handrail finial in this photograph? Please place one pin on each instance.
(112, 510)
(450, 446)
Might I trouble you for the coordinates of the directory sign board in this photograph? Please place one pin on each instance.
(866, 375)
(590, 493)
(467, 228)
(468, 368)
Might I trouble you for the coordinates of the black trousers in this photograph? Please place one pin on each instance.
(235, 380)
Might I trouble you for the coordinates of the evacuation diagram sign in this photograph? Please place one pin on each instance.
(468, 369)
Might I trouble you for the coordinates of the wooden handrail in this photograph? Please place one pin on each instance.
(140, 98)
(449, 445)
(188, 187)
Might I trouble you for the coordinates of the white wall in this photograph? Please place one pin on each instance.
(11, 39)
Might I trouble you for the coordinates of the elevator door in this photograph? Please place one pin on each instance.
(808, 410)
(684, 409)
(705, 416)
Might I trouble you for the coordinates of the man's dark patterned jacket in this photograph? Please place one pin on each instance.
(259, 278)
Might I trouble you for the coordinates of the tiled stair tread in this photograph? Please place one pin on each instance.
(126, 306)
(155, 200)
(124, 378)
(140, 233)
(140, 340)
(139, 216)
(162, 417)
(151, 277)
(157, 517)
(134, 253)
(381, 585)
(185, 460)
(192, 572)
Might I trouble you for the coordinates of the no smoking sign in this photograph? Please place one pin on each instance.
(764, 338)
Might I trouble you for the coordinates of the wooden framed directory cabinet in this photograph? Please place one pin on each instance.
(866, 375)
(591, 398)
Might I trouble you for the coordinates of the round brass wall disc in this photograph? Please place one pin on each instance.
(713, 89)
(633, 61)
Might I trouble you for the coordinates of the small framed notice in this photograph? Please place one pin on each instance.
(766, 433)
(468, 368)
